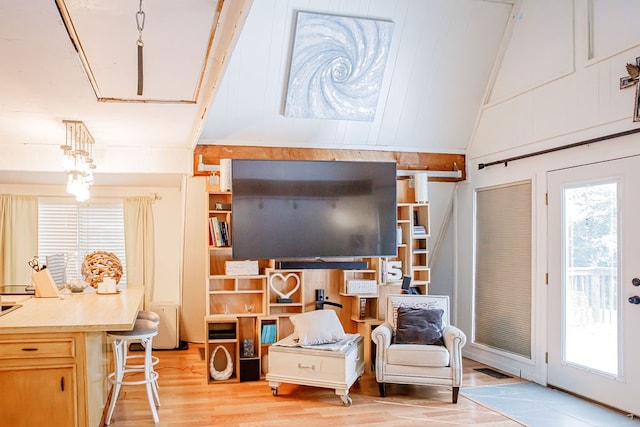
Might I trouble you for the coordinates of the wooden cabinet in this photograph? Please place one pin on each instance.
(240, 338)
(286, 291)
(222, 332)
(414, 229)
(42, 379)
(252, 302)
(236, 295)
(418, 247)
(234, 303)
(362, 287)
(219, 218)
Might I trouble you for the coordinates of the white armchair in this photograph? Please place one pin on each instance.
(418, 363)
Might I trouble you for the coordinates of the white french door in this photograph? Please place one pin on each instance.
(594, 274)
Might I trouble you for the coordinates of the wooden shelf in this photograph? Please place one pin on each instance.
(223, 341)
(227, 295)
(359, 295)
(372, 320)
(222, 325)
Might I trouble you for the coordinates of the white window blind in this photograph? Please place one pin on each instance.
(77, 230)
(502, 294)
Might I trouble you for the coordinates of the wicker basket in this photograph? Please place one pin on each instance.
(101, 264)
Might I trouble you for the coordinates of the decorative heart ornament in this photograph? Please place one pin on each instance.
(283, 280)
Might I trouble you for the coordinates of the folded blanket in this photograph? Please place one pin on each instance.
(292, 341)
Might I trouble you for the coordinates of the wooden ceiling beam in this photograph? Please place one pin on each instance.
(211, 155)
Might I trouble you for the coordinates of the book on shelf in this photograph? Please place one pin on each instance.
(224, 229)
(268, 335)
(215, 226)
(219, 232)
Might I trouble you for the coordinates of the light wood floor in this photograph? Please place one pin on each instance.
(187, 400)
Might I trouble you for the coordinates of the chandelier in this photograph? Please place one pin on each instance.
(78, 160)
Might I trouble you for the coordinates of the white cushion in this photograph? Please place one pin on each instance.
(418, 355)
(317, 327)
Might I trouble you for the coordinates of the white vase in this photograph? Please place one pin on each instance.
(421, 186)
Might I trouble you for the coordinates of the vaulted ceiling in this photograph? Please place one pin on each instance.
(216, 72)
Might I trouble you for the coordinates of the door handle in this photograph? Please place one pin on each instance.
(634, 299)
(635, 281)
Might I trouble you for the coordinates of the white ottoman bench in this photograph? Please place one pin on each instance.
(317, 367)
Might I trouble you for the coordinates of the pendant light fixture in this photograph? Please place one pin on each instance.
(78, 159)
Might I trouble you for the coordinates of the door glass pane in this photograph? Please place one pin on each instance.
(590, 277)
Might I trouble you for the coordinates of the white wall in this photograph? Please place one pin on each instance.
(549, 91)
(194, 261)
(168, 218)
(441, 250)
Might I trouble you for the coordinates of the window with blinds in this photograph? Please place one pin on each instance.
(77, 230)
(502, 294)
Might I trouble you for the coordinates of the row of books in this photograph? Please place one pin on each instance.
(268, 335)
(218, 232)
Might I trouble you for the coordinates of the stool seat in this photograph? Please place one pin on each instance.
(142, 327)
(149, 315)
(143, 330)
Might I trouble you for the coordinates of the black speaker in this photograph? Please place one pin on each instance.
(322, 265)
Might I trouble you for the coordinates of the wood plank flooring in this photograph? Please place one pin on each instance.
(187, 400)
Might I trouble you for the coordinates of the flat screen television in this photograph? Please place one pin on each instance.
(310, 209)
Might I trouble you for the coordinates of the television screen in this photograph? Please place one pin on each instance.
(292, 209)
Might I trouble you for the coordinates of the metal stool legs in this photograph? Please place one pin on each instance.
(143, 331)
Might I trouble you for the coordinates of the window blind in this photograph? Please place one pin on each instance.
(77, 230)
(502, 293)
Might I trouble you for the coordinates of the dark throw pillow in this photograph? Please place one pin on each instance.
(419, 326)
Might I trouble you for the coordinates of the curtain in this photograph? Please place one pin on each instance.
(139, 244)
(18, 237)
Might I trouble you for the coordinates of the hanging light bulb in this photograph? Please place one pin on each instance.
(78, 159)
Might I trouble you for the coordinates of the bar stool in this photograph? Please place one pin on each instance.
(143, 331)
(155, 318)
(149, 315)
(152, 317)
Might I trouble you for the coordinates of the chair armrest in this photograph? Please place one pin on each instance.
(381, 336)
(454, 340)
(453, 337)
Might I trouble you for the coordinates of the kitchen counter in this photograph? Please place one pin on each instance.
(55, 356)
(88, 311)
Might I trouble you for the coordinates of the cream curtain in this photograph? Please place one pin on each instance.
(18, 237)
(139, 244)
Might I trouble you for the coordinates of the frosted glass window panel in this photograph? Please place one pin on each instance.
(590, 296)
(337, 67)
